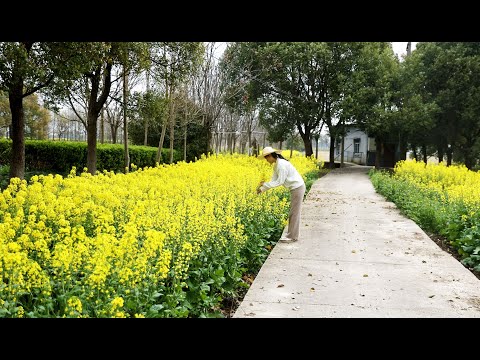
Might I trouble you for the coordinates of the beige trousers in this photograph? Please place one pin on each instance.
(296, 199)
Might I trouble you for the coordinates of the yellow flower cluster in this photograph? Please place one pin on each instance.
(102, 239)
(74, 307)
(456, 182)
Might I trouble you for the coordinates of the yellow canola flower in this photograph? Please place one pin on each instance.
(455, 182)
(109, 235)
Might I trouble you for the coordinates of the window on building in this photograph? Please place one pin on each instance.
(356, 145)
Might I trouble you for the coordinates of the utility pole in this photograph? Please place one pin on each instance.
(409, 48)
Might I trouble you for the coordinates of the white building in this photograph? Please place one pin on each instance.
(356, 147)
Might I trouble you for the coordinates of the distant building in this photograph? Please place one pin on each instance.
(360, 149)
(356, 146)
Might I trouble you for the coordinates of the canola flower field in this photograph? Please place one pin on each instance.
(165, 241)
(442, 200)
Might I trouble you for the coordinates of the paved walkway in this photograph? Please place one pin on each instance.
(359, 257)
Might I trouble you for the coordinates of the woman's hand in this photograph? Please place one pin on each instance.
(258, 188)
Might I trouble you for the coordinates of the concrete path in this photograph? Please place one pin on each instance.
(359, 257)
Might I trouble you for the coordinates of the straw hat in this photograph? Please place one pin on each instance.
(268, 150)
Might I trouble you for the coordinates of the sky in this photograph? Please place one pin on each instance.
(400, 48)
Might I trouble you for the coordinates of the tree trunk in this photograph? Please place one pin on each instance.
(168, 93)
(308, 146)
(249, 138)
(307, 141)
(378, 153)
(102, 126)
(331, 164)
(145, 121)
(171, 117)
(414, 150)
(424, 154)
(440, 154)
(403, 149)
(160, 143)
(342, 151)
(185, 144)
(219, 143)
(145, 134)
(469, 162)
(469, 155)
(94, 107)
(228, 143)
(125, 122)
(449, 155)
(17, 128)
(207, 120)
(114, 131)
(17, 164)
(92, 141)
(209, 137)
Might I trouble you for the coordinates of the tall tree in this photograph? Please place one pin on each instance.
(95, 86)
(190, 114)
(368, 99)
(133, 58)
(100, 81)
(303, 84)
(208, 94)
(276, 119)
(27, 67)
(147, 114)
(172, 63)
(444, 77)
(238, 86)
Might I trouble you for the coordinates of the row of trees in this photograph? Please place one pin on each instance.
(258, 92)
(301, 87)
(428, 103)
(80, 76)
(165, 90)
(442, 100)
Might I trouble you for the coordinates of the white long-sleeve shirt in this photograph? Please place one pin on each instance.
(284, 173)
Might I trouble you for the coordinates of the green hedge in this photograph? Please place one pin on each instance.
(61, 156)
